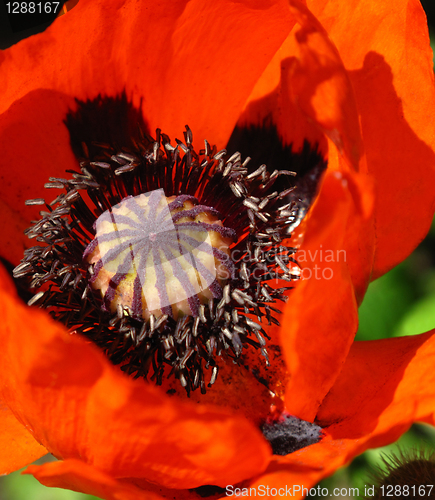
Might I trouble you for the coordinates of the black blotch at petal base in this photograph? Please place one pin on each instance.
(264, 146)
(20, 285)
(108, 120)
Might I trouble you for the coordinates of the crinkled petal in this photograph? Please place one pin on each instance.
(390, 65)
(179, 58)
(321, 87)
(78, 476)
(306, 92)
(77, 405)
(384, 387)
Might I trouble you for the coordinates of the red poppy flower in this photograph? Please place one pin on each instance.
(355, 79)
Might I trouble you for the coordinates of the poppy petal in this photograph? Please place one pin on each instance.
(317, 332)
(321, 86)
(78, 476)
(182, 70)
(306, 92)
(391, 69)
(35, 146)
(384, 387)
(298, 472)
(17, 446)
(80, 406)
(359, 240)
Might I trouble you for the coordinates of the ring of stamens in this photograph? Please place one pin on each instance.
(187, 340)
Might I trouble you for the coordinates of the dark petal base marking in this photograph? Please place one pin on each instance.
(289, 433)
(251, 201)
(22, 291)
(104, 120)
(268, 149)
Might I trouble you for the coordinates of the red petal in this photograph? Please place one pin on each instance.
(80, 406)
(308, 90)
(78, 476)
(35, 145)
(321, 315)
(191, 62)
(321, 86)
(385, 386)
(17, 446)
(294, 474)
(392, 74)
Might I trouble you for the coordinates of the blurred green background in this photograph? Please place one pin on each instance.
(400, 303)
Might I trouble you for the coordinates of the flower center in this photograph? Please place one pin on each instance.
(175, 262)
(159, 255)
